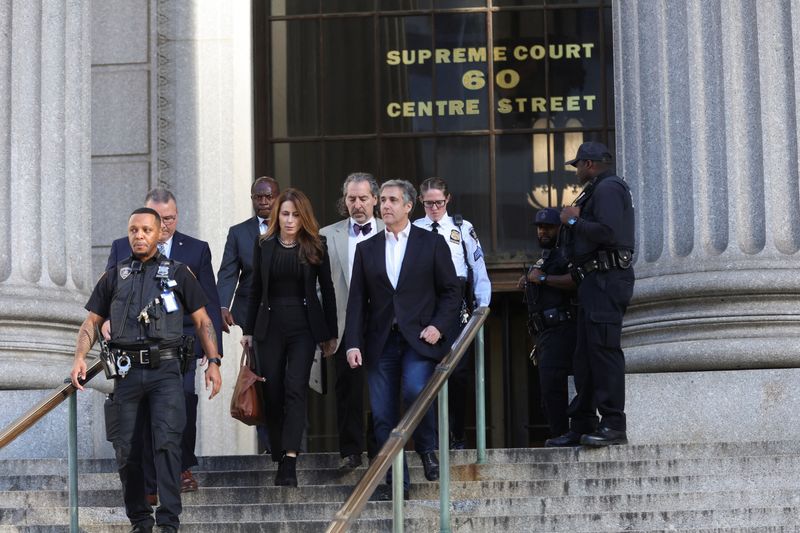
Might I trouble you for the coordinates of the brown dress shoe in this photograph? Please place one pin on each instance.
(188, 482)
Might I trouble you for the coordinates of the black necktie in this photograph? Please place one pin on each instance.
(366, 228)
(434, 227)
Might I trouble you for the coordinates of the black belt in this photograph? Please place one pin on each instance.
(603, 261)
(550, 318)
(142, 357)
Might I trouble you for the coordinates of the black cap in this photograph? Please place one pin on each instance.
(593, 151)
(548, 215)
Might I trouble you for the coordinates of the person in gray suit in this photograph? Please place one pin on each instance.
(358, 203)
(236, 270)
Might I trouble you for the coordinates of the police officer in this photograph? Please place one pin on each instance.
(599, 240)
(146, 296)
(549, 293)
(467, 255)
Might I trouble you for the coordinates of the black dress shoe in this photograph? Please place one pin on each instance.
(384, 494)
(570, 438)
(350, 462)
(166, 529)
(141, 529)
(458, 443)
(287, 472)
(604, 437)
(431, 465)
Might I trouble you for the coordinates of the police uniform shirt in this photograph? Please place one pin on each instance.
(553, 263)
(188, 290)
(453, 235)
(606, 221)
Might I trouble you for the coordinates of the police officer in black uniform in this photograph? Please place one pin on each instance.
(549, 294)
(599, 241)
(146, 296)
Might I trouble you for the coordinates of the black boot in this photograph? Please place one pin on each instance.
(287, 472)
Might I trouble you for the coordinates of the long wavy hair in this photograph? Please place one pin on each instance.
(308, 235)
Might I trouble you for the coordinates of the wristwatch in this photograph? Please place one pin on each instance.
(216, 360)
(542, 278)
(572, 221)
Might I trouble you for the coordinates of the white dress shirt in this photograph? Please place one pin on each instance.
(262, 225)
(353, 239)
(167, 247)
(395, 251)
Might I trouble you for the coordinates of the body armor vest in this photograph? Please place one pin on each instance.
(139, 314)
(541, 297)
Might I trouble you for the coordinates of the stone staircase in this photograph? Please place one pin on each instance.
(723, 487)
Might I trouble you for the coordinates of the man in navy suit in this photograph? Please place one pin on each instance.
(236, 270)
(197, 256)
(402, 318)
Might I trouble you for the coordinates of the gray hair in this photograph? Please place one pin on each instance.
(160, 195)
(409, 192)
(358, 177)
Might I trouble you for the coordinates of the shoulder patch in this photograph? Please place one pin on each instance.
(477, 254)
(124, 272)
(455, 236)
(473, 234)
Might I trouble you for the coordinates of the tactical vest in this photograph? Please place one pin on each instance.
(138, 293)
(543, 297)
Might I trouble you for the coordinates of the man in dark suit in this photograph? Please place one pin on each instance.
(402, 318)
(236, 270)
(197, 256)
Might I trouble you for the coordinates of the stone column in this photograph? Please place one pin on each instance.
(706, 107)
(45, 264)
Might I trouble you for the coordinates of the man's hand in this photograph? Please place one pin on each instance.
(105, 330)
(213, 378)
(247, 343)
(227, 320)
(328, 347)
(534, 274)
(431, 335)
(569, 212)
(78, 372)
(354, 358)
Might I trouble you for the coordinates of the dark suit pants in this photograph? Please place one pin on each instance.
(188, 439)
(285, 359)
(153, 398)
(349, 404)
(400, 371)
(554, 349)
(599, 362)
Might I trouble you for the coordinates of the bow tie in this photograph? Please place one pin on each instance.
(366, 228)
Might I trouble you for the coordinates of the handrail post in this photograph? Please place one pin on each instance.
(444, 460)
(397, 492)
(480, 399)
(72, 451)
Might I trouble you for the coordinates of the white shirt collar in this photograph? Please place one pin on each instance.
(403, 233)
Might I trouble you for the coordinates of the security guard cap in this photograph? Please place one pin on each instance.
(593, 151)
(548, 215)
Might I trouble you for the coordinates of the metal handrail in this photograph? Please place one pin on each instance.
(37, 412)
(380, 464)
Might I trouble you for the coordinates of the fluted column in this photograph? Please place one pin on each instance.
(45, 268)
(707, 105)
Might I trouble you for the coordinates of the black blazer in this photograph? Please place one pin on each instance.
(428, 293)
(321, 315)
(235, 274)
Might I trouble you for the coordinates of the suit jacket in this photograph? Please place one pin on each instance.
(197, 256)
(338, 241)
(321, 315)
(428, 293)
(235, 273)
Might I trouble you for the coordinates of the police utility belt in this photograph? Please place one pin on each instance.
(550, 318)
(603, 261)
(117, 362)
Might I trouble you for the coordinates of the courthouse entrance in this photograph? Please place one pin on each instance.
(491, 95)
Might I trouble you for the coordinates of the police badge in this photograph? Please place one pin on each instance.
(124, 272)
(455, 236)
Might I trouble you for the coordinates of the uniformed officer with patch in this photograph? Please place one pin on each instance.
(467, 254)
(549, 295)
(146, 296)
(599, 242)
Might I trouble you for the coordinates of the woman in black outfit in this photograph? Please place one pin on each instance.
(286, 320)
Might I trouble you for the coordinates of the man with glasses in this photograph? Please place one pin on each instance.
(195, 254)
(467, 256)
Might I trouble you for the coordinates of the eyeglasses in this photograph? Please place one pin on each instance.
(430, 203)
(269, 196)
(169, 220)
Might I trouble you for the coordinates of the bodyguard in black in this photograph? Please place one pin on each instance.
(549, 294)
(146, 296)
(599, 240)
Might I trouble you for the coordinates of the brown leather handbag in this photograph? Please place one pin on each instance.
(246, 404)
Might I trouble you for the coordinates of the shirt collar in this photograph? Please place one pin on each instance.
(370, 221)
(403, 233)
(428, 220)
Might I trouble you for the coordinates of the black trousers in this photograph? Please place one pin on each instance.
(599, 362)
(554, 350)
(349, 404)
(285, 357)
(459, 389)
(149, 398)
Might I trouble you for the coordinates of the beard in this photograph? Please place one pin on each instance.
(546, 243)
